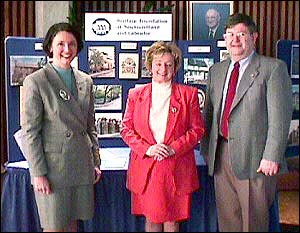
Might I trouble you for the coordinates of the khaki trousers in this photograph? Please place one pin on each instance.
(242, 205)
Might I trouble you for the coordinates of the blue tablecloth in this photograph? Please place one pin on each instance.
(112, 211)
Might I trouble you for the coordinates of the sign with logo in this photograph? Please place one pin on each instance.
(128, 27)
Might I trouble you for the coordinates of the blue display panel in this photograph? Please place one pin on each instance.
(23, 55)
(288, 51)
(115, 67)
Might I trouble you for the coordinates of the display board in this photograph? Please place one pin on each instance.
(288, 51)
(117, 66)
(114, 66)
(23, 56)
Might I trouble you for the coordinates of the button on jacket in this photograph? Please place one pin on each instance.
(184, 130)
(61, 140)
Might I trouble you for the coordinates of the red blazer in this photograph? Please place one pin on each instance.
(185, 127)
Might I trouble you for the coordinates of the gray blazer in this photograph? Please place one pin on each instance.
(260, 115)
(60, 135)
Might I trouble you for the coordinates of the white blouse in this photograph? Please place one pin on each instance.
(161, 93)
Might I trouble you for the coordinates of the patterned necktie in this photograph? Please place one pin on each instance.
(211, 34)
(229, 99)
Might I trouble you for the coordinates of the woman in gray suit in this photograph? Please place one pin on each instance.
(247, 113)
(59, 130)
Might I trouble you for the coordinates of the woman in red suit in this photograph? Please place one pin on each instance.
(162, 124)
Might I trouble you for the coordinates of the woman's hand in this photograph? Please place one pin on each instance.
(41, 184)
(97, 174)
(160, 151)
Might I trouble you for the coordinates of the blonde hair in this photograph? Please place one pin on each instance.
(160, 48)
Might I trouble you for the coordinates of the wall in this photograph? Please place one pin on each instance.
(43, 20)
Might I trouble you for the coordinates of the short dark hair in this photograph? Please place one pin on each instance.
(237, 18)
(59, 27)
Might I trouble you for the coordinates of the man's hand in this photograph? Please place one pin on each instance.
(269, 168)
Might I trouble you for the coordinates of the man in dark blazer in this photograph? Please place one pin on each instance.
(245, 151)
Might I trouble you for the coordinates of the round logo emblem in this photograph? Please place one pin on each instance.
(101, 27)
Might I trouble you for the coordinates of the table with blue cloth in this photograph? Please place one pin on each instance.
(113, 204)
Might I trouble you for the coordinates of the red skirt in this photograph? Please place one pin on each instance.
(160, 203)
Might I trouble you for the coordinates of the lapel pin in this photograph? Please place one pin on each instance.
(253, 75)
(64, 95)
(174, 110)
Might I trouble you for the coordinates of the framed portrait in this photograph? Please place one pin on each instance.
(206, 19)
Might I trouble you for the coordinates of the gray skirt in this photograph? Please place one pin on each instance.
(57, 210)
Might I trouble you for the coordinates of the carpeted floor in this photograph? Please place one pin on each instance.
(289, 228)
(288, 196)
(289, 207)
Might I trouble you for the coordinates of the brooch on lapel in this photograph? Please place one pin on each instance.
(254, 75)
(174, 110)
(64, 95)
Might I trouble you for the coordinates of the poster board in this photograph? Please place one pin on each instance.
(21, 54)
(288, 51)
(120, 56)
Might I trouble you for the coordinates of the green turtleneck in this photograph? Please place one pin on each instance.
(67, 77)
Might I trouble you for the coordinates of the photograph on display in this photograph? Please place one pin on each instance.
(128, 65)
(196, 70)
(295, 61)
(201, 96)
(145, 73)
(108, 97)
(293, 139)
(295, 97)
(101, 61)
(108, 124)
(206, 19)
(224, 54)
(21, 66)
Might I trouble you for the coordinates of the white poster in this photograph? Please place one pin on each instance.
(128, 27)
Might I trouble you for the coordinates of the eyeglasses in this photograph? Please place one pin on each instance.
(240, 35)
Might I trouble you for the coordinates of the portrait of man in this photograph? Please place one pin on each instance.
(207, 19)
(212, 19)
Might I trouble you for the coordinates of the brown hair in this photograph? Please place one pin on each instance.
(237, 18)
(59, 27)
(160, 48)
